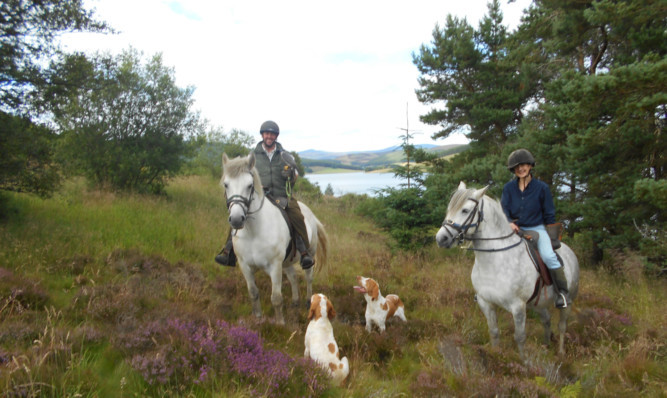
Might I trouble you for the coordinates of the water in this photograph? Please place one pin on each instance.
(357, 183)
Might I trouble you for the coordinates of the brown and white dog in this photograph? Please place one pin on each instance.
(320, 343)
(379, 308)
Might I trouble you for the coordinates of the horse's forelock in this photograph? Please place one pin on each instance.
(459, 198)
(239, 165)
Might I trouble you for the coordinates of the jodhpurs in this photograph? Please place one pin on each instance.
(544, 246)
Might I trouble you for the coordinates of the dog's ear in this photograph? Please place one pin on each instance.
(373, 289)
(314, 306)
(331, 313)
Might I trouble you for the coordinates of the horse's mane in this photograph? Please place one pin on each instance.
(494, 212)
(239, 165)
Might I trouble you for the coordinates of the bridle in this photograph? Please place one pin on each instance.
(463, 228)
(243, 201)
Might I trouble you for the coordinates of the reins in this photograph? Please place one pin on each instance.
(467, 224)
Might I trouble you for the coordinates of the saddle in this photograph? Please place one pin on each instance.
(281, 204)
(531, 238)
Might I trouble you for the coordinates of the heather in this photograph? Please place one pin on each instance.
(105, 294)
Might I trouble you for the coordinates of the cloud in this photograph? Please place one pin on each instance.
(335, 76)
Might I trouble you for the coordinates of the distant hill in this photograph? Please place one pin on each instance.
(360, 160)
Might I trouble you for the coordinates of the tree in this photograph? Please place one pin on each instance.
(600, 124)
(482, 88)
(207, 149)
(28, 30)
(125, 128)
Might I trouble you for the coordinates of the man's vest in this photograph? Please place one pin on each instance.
(270, 171)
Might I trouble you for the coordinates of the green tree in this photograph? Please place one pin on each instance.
(482, 89)
(28, 33)
(125, 128)
(207, 149)
(599, 128)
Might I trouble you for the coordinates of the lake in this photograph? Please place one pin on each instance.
(357, 183)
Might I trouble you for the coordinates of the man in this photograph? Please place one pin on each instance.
(278, 173)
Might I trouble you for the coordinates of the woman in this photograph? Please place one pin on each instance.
(528, 205)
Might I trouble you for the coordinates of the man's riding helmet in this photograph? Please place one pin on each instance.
(520, 156)
(269, 127)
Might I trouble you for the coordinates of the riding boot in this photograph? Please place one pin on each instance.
(226, 255)
(558, 276)
(306, 259)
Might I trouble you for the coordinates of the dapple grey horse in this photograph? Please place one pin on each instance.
(261, 235)
(504, 274)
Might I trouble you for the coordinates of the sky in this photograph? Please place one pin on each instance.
(336, 76)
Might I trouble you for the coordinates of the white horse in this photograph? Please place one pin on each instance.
(261, 236)
(503, 274)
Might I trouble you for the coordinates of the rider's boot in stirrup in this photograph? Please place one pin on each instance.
(558, 276)
(226, 255)
(306, 259)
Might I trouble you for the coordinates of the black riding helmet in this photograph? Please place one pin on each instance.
(269, 126)
(520, 156)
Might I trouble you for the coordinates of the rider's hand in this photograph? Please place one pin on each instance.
(287, 172)
(515, 227)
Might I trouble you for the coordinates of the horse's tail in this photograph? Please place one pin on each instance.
(322, 246)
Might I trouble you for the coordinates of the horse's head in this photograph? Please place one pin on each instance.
(241, 181)
(464, 214)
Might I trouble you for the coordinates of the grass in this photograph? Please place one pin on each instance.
(101, 294)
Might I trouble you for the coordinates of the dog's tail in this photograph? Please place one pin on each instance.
(322, 246)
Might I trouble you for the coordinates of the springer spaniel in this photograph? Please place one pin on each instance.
(379, 308)
(320, 343)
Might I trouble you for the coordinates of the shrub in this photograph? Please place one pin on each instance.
(180, 353)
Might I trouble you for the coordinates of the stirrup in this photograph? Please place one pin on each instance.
(564, 297)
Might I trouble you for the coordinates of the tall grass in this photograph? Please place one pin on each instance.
(105, 294)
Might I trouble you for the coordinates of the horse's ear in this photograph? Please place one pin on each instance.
(480, 192)
(251, 160)
(462, 185)
(224, 158)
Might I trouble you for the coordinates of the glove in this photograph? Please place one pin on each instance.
(287, 172)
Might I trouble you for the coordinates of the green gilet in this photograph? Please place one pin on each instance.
(270, 171)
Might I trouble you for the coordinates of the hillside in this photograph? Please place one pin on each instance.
(368, 160)
(105, 295)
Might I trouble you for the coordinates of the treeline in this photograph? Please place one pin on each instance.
(581, 84)
(119, 121)
(330, 163)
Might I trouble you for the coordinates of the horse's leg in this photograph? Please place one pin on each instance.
(490, 313)
(309, 285)
(545, 317)
(252, 291)
(519, 315)
(562, 327)
(291, 277)
(276, 275)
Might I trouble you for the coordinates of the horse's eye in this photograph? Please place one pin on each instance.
(465, 211)
(225, 185)
(250, 187)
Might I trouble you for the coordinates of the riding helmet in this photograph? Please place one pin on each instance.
(269, 126)
(520, 156)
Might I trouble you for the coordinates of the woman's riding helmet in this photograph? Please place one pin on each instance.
(518, 157)
(270, 127)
